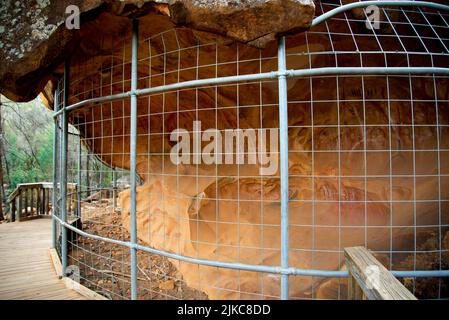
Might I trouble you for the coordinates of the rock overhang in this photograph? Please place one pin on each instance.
(34, 41)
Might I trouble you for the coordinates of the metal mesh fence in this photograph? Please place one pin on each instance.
(234, 200)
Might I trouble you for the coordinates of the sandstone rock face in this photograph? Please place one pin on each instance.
(340, 161)
(231, 213)
(34, 39)
(244, 20)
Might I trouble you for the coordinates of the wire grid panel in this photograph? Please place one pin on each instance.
(56, 200)
(208, 200)
(368, 154)
(71, 203)
(360, 150)
(102, 267)
(170, 57)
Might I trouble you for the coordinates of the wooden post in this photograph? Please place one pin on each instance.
(30, 201)
(44, 200)
(35, 200)
(19, 211)
(373, 280)
(354, 290)
(46, 194)
(49, 200)
(25, 192)
(13, 210)
(38, 202)
(42, 191)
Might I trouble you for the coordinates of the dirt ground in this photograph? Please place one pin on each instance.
(429, 288)
(104, 267)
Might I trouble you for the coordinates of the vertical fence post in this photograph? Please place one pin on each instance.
(55, 163)
(47, 201)
(38, 201)
(78, 187)
(20, 206)
(114, 188)
(13, 210)
(283, 136)
(42, 193)
(44, 200)
(26, 192)
(133, 151)
(33, 201)
(65, 129)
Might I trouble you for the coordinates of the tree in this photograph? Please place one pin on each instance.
(27, 142)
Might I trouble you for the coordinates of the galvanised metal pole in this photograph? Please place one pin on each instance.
(114, 188)
(283, 137)
(133, 151)
(55, 163)
(249, 267)
(78, 187)
(61, 151)
(261, 76)
(65, 129)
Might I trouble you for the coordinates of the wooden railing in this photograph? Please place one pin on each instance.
(370, 280)
(30, 200)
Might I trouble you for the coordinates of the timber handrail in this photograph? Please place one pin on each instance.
(370, 280)
(30, 200)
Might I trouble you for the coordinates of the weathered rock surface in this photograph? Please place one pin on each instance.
(229, 212)
(34, 39)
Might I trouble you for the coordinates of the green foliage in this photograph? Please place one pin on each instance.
(28, 142)
(28, 132)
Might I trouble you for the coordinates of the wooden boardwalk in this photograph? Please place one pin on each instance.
(26, 269)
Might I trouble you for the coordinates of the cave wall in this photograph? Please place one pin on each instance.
(231, 212)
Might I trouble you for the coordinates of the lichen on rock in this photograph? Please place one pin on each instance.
(34, 40)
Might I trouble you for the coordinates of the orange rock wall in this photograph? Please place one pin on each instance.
(229, 212)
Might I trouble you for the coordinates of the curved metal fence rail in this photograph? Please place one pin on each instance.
(334, 66)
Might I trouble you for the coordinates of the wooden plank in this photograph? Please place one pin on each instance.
(29, 218)
(55, 261)
(26, 270)
(374, 280)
